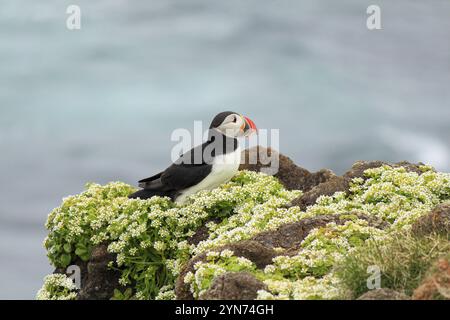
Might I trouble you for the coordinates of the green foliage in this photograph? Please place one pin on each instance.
(81, 217)
(125, 295)
(148, 236)
(217, 263)
(321, 249)
(394, 195)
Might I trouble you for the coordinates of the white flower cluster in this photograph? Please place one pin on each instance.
(57, 287)
(150, 236)
(216, 263)
(392, 194)
(308, 288)
(396, 196)
(251, 219)
(166, 293)
(308, 274)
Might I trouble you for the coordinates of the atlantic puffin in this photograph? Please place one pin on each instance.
(204, 167)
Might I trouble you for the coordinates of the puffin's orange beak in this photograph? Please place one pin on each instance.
(249, 126)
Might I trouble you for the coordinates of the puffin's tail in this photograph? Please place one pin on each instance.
(147, 194)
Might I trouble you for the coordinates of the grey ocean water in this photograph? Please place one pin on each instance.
(99, 104)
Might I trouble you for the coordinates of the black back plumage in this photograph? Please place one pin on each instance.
(190, 169)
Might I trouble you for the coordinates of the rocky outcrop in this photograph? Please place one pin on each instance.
(342, 183)
(313, 184)
(202, 232)
(252, 250)
(437, 221)
(358, 168)
(293, 177)
(234, 286)
(98, 281)
(260, 249)
(290, 236)
(384, 294)
(327, 188)
(437, 284)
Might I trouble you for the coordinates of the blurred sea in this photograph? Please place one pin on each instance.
(99, 104)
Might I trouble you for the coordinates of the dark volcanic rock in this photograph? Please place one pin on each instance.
(200, 235)
(100, 281)
(342, 183)
(234, 286)
(383, 294)
(437, 221)
(437, 284)
(254, 251)
(202, 232)
(97, 280)
(358, 168)
(260, 249)
(293, 177)
(83, 269)
(290, 236)
(327, 188)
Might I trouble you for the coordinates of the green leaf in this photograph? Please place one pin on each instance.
(67, 247)
(85, 256)
(81, 246)
(117, 295)
(65, 260)
(80, 251)
(128, 293)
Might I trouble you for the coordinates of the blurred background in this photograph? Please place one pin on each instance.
(99, 104)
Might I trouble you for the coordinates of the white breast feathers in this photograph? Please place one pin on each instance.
(224, 167)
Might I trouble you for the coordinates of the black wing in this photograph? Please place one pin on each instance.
(187, 171)
(153, 182)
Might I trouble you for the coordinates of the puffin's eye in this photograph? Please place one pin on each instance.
(234, 119)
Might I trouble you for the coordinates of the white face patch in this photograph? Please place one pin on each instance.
(232, 126)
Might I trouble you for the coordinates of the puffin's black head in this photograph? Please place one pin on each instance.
(233, 124)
